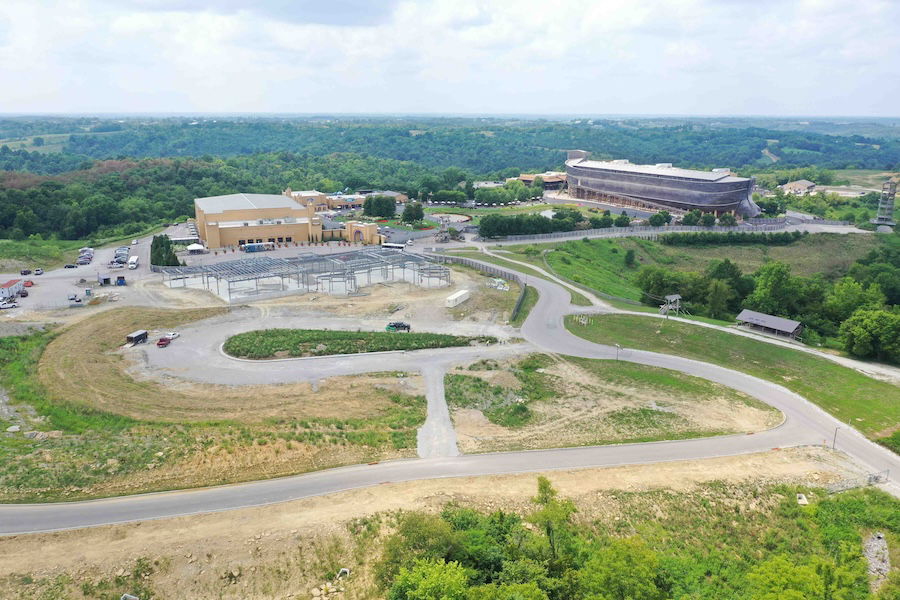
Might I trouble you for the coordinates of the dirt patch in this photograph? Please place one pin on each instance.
(406, 301)
(285, 550)
(598, 402)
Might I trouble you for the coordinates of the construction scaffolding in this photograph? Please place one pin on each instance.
(336, 274)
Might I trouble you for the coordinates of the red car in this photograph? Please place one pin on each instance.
(163, 342)
(28, 283)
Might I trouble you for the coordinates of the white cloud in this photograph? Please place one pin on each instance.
(808, 57)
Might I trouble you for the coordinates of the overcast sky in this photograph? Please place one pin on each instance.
(704, 57)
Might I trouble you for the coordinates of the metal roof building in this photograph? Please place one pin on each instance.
(219, 204)
(770, 323)
(659, 186)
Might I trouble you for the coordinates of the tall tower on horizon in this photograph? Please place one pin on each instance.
(884, 222)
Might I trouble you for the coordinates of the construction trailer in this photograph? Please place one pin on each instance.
(11, 289)
(457, 298)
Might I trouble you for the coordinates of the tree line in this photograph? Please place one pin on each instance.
(550, 554)
(121, 198)
(858, 311)
(493, 146)
(563, 219)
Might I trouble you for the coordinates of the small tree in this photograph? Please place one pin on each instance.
(622, 220)
(629, 258)
(708, 219)
(657, 220)
(692, 218)
(727, 220)
(413, 213)
(718, 294)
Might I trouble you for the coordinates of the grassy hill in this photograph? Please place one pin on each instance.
(600, 263)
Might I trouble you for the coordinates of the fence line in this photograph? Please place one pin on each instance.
(483, 267)
(519, 302)
(766, 221)
(639, 231)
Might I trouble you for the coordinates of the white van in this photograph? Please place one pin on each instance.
(133, 262)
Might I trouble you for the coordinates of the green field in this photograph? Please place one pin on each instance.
(870, 405)
(600, 263)
(276, 343)
(49, 254)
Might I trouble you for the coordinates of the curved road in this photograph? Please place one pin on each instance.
(804, 424)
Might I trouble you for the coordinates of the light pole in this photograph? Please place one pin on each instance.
(834, 441)
(618, 347)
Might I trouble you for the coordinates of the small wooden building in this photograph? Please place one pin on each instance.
(770, 323)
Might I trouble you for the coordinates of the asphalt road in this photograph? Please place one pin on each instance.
(804, 424)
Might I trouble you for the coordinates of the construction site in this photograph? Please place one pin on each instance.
(339, 274)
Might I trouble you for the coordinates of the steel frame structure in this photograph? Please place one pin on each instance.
(343, 272)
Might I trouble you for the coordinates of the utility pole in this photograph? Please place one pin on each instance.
(618, 347)
(834, 441)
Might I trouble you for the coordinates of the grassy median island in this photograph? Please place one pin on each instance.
(283, 343)
(545, 401)
(870, 405)
(105, 425)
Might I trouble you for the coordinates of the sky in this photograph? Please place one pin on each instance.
(543, 57)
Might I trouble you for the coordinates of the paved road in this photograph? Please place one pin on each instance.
(804, 424)
(436, 438)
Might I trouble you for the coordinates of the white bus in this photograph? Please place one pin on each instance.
(391, 246)
(132, 262)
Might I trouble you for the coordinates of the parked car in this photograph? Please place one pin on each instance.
(25, 272)
(70, 266)
(398, 326)
(74, 298)
(172, 335)
(134, 242)
(28, 283)
(39, 271)
(163, 342)
(5, 305)
(23, 294)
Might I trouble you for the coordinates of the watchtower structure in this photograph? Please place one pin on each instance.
(672, 305)
(884, 222)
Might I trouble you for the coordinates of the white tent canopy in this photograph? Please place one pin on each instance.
(196, 248)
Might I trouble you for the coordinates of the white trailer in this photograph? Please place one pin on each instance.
(457, 298)
(133, 262)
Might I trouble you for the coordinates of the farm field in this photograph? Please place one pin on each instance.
(548, 402)
(111, 429)
(868, 178)
(872, 406)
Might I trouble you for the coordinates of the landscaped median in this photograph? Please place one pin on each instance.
(870, 405)
(297, 343)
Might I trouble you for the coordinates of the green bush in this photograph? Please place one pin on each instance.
(269, 343)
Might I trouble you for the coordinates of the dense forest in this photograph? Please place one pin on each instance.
(123, 197)
(119, 176)
(478, 145)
